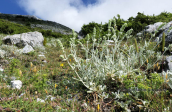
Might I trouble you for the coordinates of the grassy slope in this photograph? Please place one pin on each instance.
(61, 85)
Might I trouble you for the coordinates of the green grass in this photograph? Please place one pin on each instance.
(63, 87)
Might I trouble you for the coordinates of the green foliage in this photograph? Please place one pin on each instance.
(156, 81)
(45, 41)
(46, 33)
(7, 27)
(32, 53)
(6, 92)
(16, 72)
(50, 34)
(137, 23)
(136, 45)
(163, 42)
(14, 63)
(39, 81)
(88, 29)
(144, 84)
(28, 24)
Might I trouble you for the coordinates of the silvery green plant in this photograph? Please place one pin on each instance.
(167, 77)
(170, 47)
(51, 42)
(2, 53)
(9, 49)
(116, 61)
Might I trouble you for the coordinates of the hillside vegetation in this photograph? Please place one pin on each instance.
(137, 23)
(10, 28)
(35, 22)
(87, 75)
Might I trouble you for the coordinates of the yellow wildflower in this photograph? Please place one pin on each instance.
(55, 85)
(36, 92)
(157, 64)
(147, 60)
(61, 65)
(167, 81)
(70, 60)
(98, 107)
(66, 87)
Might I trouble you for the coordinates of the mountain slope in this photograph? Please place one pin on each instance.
(35, 22)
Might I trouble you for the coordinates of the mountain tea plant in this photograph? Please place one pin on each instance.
(94, 71)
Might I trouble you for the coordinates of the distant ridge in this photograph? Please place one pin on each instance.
(33, 22)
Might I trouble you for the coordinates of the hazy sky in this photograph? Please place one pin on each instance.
(75, 13)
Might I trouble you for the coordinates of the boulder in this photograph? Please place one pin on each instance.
(33, 39)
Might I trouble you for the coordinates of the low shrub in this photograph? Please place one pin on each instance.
(109, 62)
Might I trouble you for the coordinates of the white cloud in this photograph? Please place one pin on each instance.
(73, 13)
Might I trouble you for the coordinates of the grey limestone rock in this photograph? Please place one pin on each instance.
(154, 27)
(27, 49)
(33, 39)
(16, 84)
(168, 63)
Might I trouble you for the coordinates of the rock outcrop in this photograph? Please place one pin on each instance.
(152, 28)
